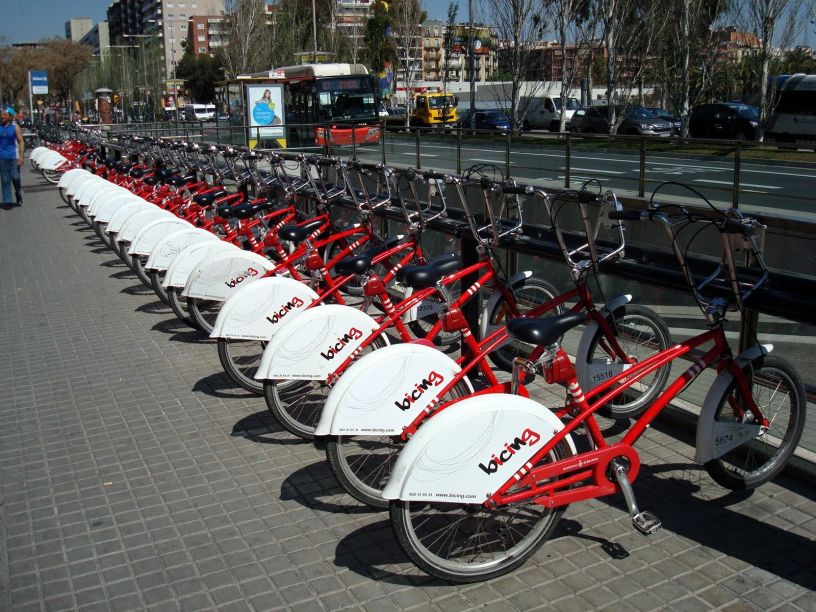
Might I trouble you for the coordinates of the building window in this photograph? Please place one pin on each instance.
(169, 5)
(199, 26)
(201, 38)
(202, 49)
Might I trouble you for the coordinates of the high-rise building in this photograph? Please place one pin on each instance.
(98, 38)
(77, 27)
(169, 19)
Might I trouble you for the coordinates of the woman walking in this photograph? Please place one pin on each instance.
(12, 148)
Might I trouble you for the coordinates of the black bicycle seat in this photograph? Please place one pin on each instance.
(206, 199)
(138, 173)
(420, 277)
(354, 264)
(298, 233)
(244, 211)
(544, 331)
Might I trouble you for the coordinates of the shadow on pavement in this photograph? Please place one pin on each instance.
(314, 486)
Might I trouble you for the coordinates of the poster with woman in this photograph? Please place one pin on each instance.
(265, 109)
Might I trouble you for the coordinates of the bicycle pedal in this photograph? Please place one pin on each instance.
(646, 522)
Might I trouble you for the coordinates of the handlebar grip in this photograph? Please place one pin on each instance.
(410, 174)
(585, 197)
(625, 215)
(435, 175)
(733, 226)
(518, 189)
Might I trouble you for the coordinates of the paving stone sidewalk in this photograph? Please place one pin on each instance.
(134, 476)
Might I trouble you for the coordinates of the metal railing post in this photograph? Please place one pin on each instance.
(354, 142)
(642, 177)
(507, 140)
(459, 148)
(382, 140)
(567, 154)
(418, 160)
(737, 162)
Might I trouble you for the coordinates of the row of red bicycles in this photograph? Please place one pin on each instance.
(325, 293)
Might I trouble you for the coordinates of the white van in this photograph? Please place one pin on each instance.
(199, 112)
(545, 112)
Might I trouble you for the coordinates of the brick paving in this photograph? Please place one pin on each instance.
(134, 476)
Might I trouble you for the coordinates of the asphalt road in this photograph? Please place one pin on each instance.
(764, 186)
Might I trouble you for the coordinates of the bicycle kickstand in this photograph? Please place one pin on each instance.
(645, 522)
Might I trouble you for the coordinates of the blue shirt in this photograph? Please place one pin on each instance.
(8, 141)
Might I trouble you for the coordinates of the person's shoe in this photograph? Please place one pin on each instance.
(19, 199)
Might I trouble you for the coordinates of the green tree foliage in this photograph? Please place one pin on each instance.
(200, 75)
(378, 38)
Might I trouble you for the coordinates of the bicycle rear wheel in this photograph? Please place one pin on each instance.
(204, 312)
(468, 542)
(156, 280)
(241, 359)
(297, 404)
(780, 395)
(362, 464)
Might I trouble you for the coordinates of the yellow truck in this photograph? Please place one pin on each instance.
(432, 109)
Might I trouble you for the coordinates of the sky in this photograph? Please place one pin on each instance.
(32, 20)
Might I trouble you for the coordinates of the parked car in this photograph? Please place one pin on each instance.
(637, 121)
(733, 120)
(396, 115)
(662, 113)
(545, 112)
(577, 121)
(491, 120)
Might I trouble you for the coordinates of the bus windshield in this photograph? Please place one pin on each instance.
(346, 98)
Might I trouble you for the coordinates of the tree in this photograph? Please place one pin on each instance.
(447, 43)
(200, 75)
(406, 17)
(246, 37)
(378, 39)
(519, 23)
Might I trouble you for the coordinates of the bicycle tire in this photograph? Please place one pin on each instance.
(362, 464)
(240, 360)
(760, 459)
(297, 405)
(156, 280)
(178, 304)
(534, 292)
(640, 332)
(137, 265)
(101, 231)
(52, 176)
(494, 541)
(203, 312)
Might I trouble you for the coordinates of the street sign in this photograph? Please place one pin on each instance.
(38, 81)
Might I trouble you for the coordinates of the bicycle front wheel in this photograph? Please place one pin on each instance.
(640, 333)
(297, 404)
(468, 542)
(362, 464)
(780, 396)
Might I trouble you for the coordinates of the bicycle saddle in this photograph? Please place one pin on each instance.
(165, 173)
(151, 180)
(226, 211)
(244, 211)
(353, 264)
(299, 233)
(138, 173)
(544, 331)
(420, 277)
(176, 180)
(206, 199)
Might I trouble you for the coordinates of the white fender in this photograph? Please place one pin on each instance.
(78, 181)
(91, 190)
(168, 247)
(187, 260)
(716, 438)
(386, 390)
(88, 187)
(69, 176)
(147, 238)
(313, 344)
(220, 276)
(590, 375)
(467, 451)
(104, 212)
(517, 280)
(37, 152)
(258, 310)
(123, 213)
(137, 221)
(50, 161)
(102, 196)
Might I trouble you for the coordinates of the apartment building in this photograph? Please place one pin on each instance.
(434, 63)
(77, 27)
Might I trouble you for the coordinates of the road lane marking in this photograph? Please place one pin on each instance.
(595, 170)
(732, 182)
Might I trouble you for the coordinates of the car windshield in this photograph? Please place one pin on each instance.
(638, 112)
(572, 104)
(441, 101)
(746, 111)
(496, 116)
